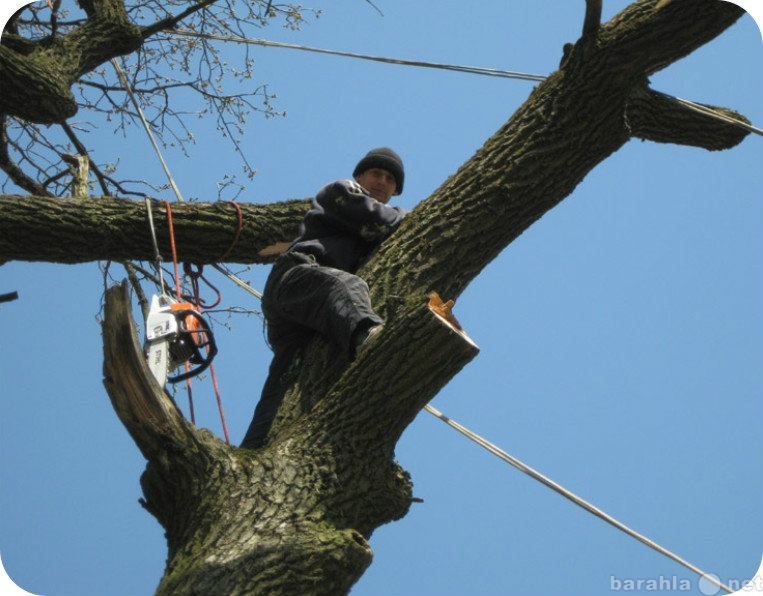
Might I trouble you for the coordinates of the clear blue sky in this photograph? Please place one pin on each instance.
(621, 336)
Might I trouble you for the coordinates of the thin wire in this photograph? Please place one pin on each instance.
(507, 74)
(237, 280)
(522, 467)
(219, 399)
(718, 116)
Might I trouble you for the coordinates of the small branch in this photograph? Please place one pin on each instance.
(374, 6)
(14, 172)
(592, 19)
(9, 297)
(170, 22)
(79, 167)
(136, 287)
(654, 116)
(54, 7)
(144, 408)
(102, 180)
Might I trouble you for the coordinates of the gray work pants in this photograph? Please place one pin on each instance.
(301, 298)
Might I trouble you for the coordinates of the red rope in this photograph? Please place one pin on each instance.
(174, 248)
(171, 227)
(195, 276)
(197, 300)
(239, 227)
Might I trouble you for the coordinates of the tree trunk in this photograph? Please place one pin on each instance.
(294, 517)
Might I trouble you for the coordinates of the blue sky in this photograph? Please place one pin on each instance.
(621, 345)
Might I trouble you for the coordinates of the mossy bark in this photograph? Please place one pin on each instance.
(36, 76)
(106, 228)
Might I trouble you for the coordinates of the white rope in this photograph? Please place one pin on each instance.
(157, 256)
(522, 467)
(237, 280)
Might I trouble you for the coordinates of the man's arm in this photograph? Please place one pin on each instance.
(348, 206)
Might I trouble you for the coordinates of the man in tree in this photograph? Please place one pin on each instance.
(312, 287)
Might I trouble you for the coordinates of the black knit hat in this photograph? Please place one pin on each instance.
(386, 159)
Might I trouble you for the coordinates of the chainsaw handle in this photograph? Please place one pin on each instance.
(201, 329)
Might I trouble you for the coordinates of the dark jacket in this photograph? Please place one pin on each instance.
(344, 225)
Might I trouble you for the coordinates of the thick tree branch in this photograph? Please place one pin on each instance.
(34, 88)
(571, 122)
(414, 357)
(36, 81)
(649, 35)
(107, 228)
(224, 524)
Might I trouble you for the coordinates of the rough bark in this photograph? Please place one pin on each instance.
(571, 122)
(36, 76)
(106, 228)
(295, 516)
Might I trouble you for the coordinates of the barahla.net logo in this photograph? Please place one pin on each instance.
(708, 585)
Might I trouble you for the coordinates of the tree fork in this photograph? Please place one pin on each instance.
(224, 522)
(223, 509)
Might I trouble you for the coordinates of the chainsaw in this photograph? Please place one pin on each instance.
(176, 334)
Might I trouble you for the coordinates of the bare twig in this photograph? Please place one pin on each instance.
(11, 168)
(170, 22)
(9, 297)
(592, 19)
